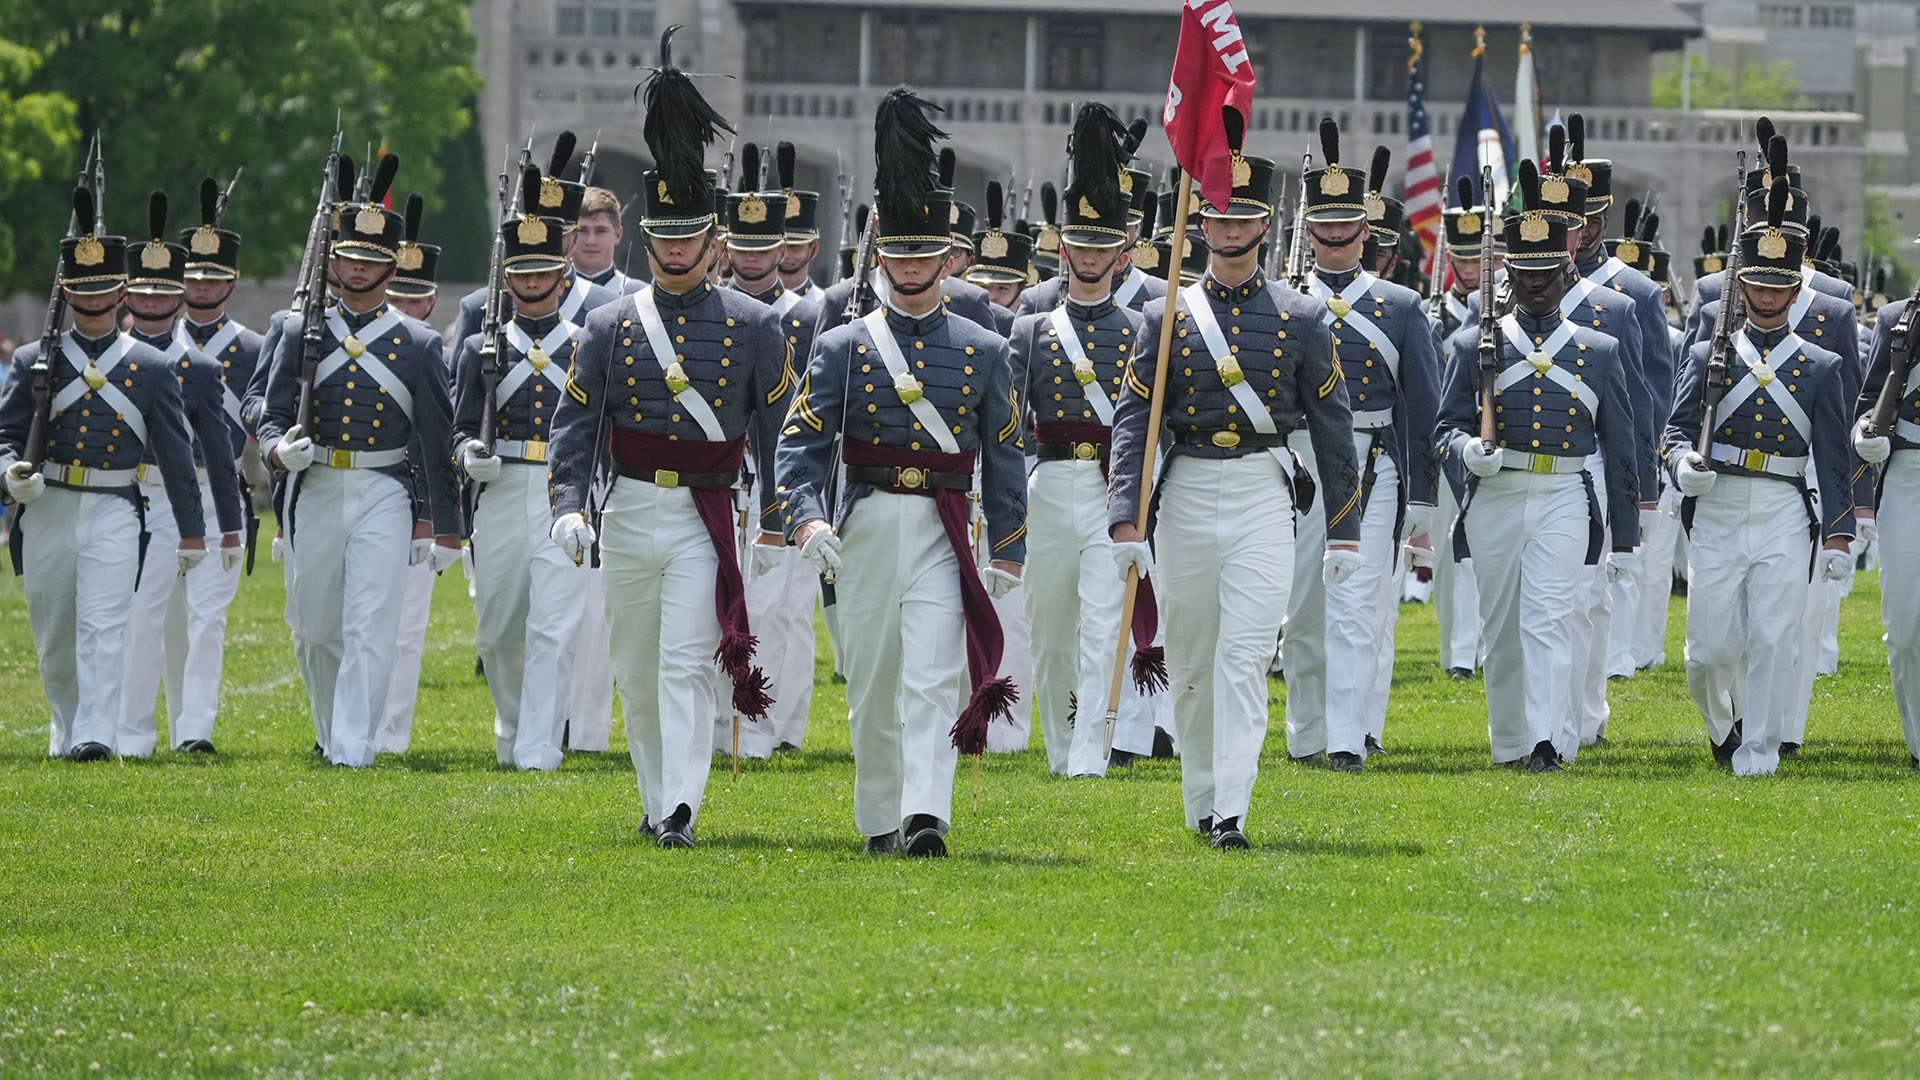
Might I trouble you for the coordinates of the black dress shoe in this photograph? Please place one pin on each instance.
(197, 746)
(923, 839)
(479, 667)
(1227, 835)
(1317, 760)
(648, 829)
(1913, 762)
(1790, 749)
(1544, 759)
(1122, 759)
(318, 751)
(786, 748)
(1345, 761)
(1205, 828)
(886, 844)
(90, 751)
(1162, 744)
(1374, 747)
(1460, 673)
(1723, 752)
(677, 830)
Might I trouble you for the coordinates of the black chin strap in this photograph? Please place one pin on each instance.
(669, 268)
(904, 290)
(551, 289)
(93, 312)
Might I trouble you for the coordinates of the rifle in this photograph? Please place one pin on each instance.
(1489, 327)
(92, 178)
(587, 163)
(310, 297)
(1732, 312)
(845, 185)
(1297, 252)
(220, 205)
(493, 319)
(1437, 274)
(1900, 346)
(1274, 235)
(861, 295)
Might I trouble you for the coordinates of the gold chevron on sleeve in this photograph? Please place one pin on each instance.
(1010, 538)
(802, 408)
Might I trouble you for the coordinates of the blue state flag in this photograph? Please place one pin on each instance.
(1483, 139)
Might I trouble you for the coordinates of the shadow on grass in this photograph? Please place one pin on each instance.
(1342, 849)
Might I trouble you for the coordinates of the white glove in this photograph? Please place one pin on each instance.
(766, 558)
(231, 557)
(1418, 555)
(1693, 476)
(574, 536)
(1419, 521)
(440, 557)
(1835, 565)
(1132, 555)
(1482, 457)
(190, 557)
(1338, 565)
(822, 549)
(1872, 449)
(278, 553)
(483, 467)
(24, 482)
(1670, 500)
(295, 450)
(1621, 564)
(1867, 528)
(999, 582)
(420, 551)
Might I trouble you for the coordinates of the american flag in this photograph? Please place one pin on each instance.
(1424, 198)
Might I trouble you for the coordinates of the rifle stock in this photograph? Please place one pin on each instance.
(1732, 313)
(91, 175)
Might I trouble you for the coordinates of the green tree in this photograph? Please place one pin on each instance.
(185, 88)
(36, 131)
(1771, 87)
(1883, 244)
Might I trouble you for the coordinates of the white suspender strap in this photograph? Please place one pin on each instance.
(1130, 288)
(111, 394)
(785, 301)
(518, 337)
(1801, 305)
(369, 359)
(1457, 308)
(217, 344)
(1776, 358)
(922, 409)
(663, 355)
(1198, 309)
(1357, 290)
(1097, 398)
(1548, 349)
(576, 299)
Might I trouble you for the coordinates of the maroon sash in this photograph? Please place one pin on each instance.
(1149, 664)
(992, 695)
(639, 451)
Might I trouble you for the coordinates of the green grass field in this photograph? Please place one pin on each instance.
(1645, 914)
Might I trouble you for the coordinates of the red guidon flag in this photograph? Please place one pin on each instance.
(1211, 71)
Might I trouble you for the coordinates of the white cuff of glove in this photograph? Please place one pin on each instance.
(1338, 565)
(190, 557)
(822, 549)
(999, 582)
(1419, 520)
(1621, 564)
(24, 483)
(442, 557)
(1482, 459)
(1873, 449)
(1866, 529)
(482, 467)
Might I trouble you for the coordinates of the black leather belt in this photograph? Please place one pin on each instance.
(1232, 440)
(1071, 451)
(669, 478)
(907, 478)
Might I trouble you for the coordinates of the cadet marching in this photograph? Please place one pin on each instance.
(1107, 462)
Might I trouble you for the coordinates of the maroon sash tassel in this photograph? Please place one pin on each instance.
(992, 696)
(752, 695)
(1149, 665)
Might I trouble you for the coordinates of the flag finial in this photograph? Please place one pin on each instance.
(1414, 45)
(1479, 42)
(1526, 38)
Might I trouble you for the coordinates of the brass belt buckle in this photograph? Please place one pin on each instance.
(1540, 463)
(1226, 440)
(1085, 451)
(75, 475)
(911, 478)
(535, 450)
(340, 459)
(1753, 461)
(666, 478)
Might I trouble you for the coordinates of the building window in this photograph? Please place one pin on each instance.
(604, 19)
(1783, 15)
(1831, 16)
(1075, 55)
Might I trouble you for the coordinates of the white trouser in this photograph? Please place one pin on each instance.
(1624, 597)
(352, 529)
(1586, 720)
(659, 565)
(780, 604)
(590, 701)
(1143, 714)
(1073, 612)
(906, 659)
(1899, 545)
(1528, 534)
(79, 561)
(1224, 545)
(1016, 663)
(1456, 599)
(409, 646)
(1657, 550)
(1746, 600)
(302, 653)
(528, 600)
(176, 628)
(1332, 644)
(1811, 656)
